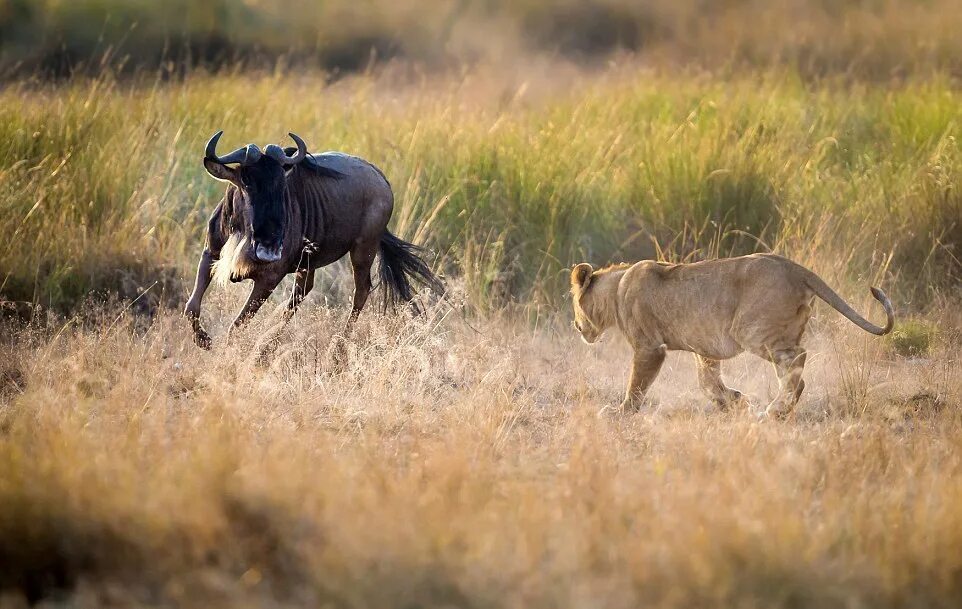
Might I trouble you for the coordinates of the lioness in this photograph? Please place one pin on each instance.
(715, 309)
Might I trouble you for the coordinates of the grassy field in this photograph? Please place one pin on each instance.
(458, 460)
(510, 177)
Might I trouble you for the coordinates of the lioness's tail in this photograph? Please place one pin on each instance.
(821, 289)
(400, 263)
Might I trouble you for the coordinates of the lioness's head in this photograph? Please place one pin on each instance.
(591, 304)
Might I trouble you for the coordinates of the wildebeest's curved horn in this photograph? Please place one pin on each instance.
(276, 153)
(301, 149)
(245, 156)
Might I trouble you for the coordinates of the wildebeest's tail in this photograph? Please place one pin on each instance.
(402, 262)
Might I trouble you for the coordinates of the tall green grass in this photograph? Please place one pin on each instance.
(101, 183)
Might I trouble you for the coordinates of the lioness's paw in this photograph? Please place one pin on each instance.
(608, 411)
(775, 411)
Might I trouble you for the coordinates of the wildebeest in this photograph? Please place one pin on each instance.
(287, 211)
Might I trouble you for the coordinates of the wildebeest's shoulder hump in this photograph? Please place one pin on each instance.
(332, 164)
(345, 165)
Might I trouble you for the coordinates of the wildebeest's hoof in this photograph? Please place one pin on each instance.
(338, 355)
(202, 339)
(265, 354)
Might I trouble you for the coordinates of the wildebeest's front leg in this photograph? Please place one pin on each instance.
(303, 283)
(192, 309)
(263, 286)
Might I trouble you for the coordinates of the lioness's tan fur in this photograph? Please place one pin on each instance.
(716, 309)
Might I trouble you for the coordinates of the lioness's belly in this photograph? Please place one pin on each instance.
(720, 346)
(702, 326)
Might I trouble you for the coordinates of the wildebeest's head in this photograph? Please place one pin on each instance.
(261, 181)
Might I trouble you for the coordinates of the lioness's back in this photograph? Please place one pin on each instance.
(701, 306)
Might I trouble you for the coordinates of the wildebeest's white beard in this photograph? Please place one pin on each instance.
(234, 259)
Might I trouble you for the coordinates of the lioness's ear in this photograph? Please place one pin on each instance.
(581, 275)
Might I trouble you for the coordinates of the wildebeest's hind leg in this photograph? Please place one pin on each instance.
(303, 284)
(192, 309)
(362, 259)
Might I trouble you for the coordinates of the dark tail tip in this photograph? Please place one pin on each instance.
(401, 264)
(889, 310)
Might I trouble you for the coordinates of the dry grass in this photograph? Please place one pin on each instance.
(448, 467)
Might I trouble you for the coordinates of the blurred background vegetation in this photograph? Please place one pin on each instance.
(865, 39)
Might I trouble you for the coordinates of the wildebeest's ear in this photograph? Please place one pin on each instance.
(220, 172)
(581, 275)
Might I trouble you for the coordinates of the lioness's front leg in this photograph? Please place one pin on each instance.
(644, 368)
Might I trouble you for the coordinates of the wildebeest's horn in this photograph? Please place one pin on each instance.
(301, 149)
(277, 153)
(245, 156)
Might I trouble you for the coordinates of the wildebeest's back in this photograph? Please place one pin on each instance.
(338, 193)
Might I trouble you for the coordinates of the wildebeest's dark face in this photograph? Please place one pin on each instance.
(260, 180)
(261, 188)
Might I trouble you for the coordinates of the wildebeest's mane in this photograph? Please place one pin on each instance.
(230, 222)
(320, 170)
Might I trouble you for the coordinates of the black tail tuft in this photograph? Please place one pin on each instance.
(400, 263)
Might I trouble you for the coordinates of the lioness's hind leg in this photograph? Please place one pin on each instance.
(710, 380)
(789, 365)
